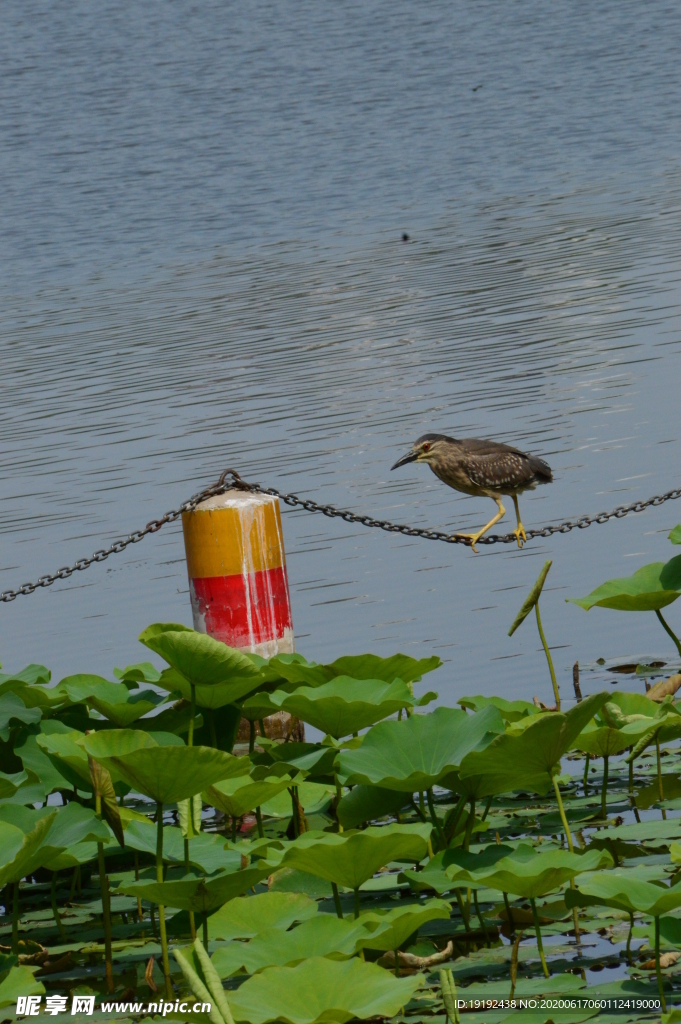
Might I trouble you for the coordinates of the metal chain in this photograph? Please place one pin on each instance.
(230, 479)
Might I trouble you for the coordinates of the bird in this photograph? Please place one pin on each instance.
(481, 468)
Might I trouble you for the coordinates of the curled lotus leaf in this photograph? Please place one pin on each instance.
(510, 710)
(294, 669)
(651, 588)
(343, 705)
(244, 918)
(213, 696)
(351, 858)
(531, 599)
(166, 774)
(419, 752)
(13, 709)
(322, 990)
(388, 930)
(624, 891)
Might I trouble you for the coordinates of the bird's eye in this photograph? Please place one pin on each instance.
(426, 446)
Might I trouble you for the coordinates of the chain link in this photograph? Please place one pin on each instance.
(230, 479)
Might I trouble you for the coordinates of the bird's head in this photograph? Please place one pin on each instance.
(429, 448)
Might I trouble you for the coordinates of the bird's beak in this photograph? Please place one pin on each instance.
(409, 457)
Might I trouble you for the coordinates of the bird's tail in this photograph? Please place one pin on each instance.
(541, 470)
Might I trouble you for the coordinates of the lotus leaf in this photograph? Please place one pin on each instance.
(239, 795)
(531, 599)
(344, 705)
(527, 755)
(367, 803)
(197, 894)
(420, 752)
(602, 740)
(523, 871)
(142, 672)
(244, 918)
(313, 797)
(216, 696)
(351, 858)
(12, 708)
(650, 588)
(31, 675)
(19, 982)
(9, 784)
(391, 929)
(624, 891)
(288, 758)
(68, 755)
(207, 850)
(165, 774)
(510, 710)
(321, 990)
(202, 660)
(80, 853)
(675, 535)
(322, 935)
(295, 669)
(19, 852)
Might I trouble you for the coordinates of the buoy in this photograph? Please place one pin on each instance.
(237, 572)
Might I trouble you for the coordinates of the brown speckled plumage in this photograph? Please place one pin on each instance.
(480, 468)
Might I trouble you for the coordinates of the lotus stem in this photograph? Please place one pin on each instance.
(75, 877)
(509, 913)
(233, 828)
(604, 788)
(481, 918)
(571, 848)
(554, 683)
(631, 929)
(658, 972)
(205, 931)
(667, 628)
(339, 797)
(487, 807)
(540, 944)
(631, 775)
(397, 963)
(356, 903)
(469, 824)
(436, 820)
(106, 908)
(462, 909)
(258, 818)
(152, 916)
(251, 737)
(659, 768)
(418, 810)
(452, 819)
(15, 919)
(514, 962)
(211, 726)
(55, 908)
(140, 912)
(261, 723)
(586, 773)
(422, 804)
(336, 900)
(192, 921)
(161, 908)
(192, 716)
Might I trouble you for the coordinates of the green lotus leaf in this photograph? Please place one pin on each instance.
(9, 784)
(510, 710)
(321, 990)
(142, 672)
(675, 535)
(624, 891)
(295, 669)
(531, 599)
(165, 774)
(202, 660)
(12, 708)
(19, 851)
(527, 755)
(19, 982)
(650, 588)
(207, 851)
(314, 798)
(419, 752)
(323, 935)
(343, 705)
(367, 803)
(80, 853)
(523, 871)
(80, 687)
(36, 760)
(68, 754)
(389, 929)
(654, 831)
(240, 795)
(244, 918)
(212, 696)
(31, 675)
(197, 894)
(313, 759)
(603, 741)
(351, 858)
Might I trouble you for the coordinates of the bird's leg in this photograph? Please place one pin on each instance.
(475, 537)
(519, 534)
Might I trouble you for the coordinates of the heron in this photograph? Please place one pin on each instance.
(483, 469)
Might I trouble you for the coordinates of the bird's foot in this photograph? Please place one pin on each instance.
(472, 538)
(520, 535)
